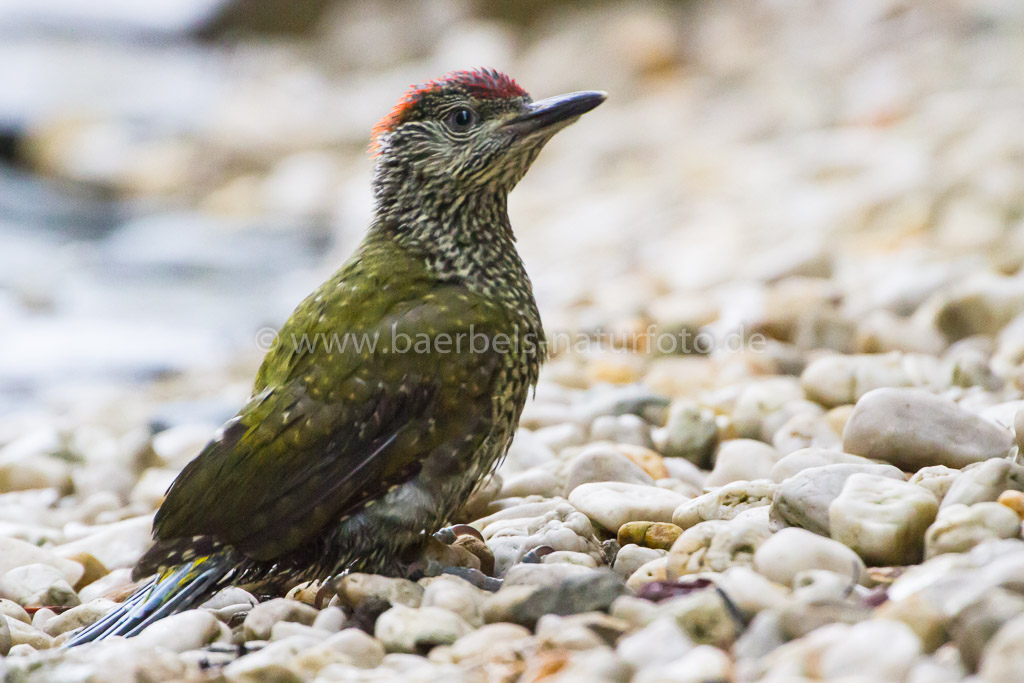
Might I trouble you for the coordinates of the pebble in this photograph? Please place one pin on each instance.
(938, 479)
(612, 504)
(598, 664)
(229, 602)
(691, 433)
(821, 586)
(28, 463)
(742, 459)
(750, 592)
(590, 591)
(702, 663)
(77, 617)
(659, 642)
(912, 428)
(150, 489)
(357, 589)
(273, 662)
(725, 502)
(26, 634)
(600, 463)
(631, 557)
(42, 616)
(686, 472)
(806, 458)
(536, 481)
(877, 649)
(982, 305)
(1003, 657)
(544, 573)
(491, 642)
(804, 430)
(624, 429)
(803, 499)
(932, 669)
(498, 607)
(882, 519)
(261, 618)
(649, 572)
(559, 437)
(362, 649)
(958, 528)
(792, 551)
(764, 406)
(35, 585)
(1013, 500)
(569, 557)
(15, 553)
(115, 546)
(417, 630)
(704, 616)
(188, 630)
(526, 451)
(289, 629)
(13, 610)
(516, 530)
(984, 482)
(457, 596)
(331, 619)
(926, 616)
(716, 545)
(884, 331)
(658, 535)
(650, 461)
(584, 631)
(838, 380)
(633, 399)
(976, 622)
(114, 581)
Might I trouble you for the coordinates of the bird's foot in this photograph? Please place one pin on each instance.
(458, 550)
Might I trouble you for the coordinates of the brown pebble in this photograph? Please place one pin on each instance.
(657, 535)
(479, 549)
(1013, 500)
(307, 593)
(94, 569)
(648, 460)
(837, 417)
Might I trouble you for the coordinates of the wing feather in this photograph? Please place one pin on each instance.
(309, 448)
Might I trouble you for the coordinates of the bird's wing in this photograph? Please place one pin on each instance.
(338, 429)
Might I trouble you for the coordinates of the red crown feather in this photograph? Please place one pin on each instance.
(480, 83)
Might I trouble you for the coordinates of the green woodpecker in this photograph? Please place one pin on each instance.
(395, 388)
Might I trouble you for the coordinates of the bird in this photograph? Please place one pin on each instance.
(394, 389)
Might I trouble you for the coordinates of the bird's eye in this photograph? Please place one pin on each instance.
(461, 119)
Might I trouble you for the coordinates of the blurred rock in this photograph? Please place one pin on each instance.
(882, 519)
(913, 429)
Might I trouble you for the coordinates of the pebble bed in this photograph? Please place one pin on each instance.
(838, 186)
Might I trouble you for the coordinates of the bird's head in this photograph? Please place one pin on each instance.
(470, 129)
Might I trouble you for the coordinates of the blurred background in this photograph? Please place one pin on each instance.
(175, 176)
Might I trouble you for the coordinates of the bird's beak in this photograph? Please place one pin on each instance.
(554, 113)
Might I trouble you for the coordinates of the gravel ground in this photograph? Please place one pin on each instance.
(781, 268)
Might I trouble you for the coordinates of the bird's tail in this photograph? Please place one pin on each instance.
(173, 590)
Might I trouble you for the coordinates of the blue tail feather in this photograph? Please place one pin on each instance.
(176, 590)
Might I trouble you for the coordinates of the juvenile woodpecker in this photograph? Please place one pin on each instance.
(395, 388)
